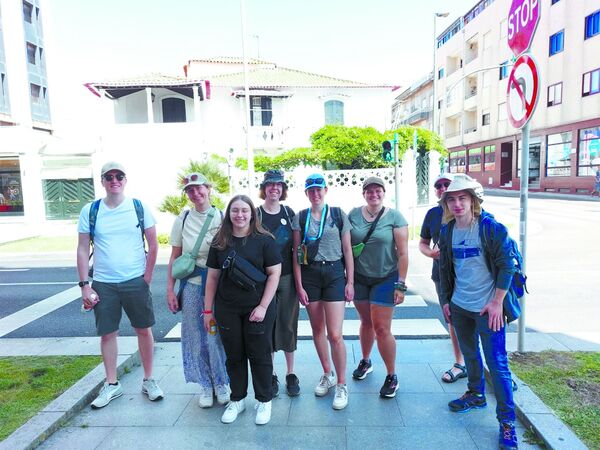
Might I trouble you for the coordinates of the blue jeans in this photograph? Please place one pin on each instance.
(470, 327)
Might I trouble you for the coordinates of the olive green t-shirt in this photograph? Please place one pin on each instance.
(378, 258)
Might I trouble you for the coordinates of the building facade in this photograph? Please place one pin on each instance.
(413, 105)
(473, 62)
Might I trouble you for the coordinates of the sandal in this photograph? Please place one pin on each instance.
(453, 376)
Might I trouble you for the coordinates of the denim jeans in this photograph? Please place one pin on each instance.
(470, 327)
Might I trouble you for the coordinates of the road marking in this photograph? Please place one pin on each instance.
(42, 283)
(175, 333)
(14, 270)
(26, 315)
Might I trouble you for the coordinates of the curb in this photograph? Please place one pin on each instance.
(41, 426)
(540, 419)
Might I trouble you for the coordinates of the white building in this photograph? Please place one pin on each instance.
(473, 61)
(413, 105)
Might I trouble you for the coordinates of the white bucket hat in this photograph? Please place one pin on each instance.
(463, 182)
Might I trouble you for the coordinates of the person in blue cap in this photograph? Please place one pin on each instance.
(322, 253)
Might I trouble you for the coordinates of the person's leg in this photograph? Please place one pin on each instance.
(316, 316)
(458, 356)
(146, 348)
(257, 342)
(381, 316)
(465, 326)
(230, 326)
(109, 350)
(334, 320)
(289, 362)
(107, 313)
(365, 332)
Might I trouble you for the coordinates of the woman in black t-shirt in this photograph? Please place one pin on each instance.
(245, 317)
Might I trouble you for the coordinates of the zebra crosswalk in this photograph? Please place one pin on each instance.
(401, 328)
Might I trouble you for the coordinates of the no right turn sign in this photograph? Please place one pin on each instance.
(522, 91)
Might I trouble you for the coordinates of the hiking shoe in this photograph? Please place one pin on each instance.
(223, 393)
(468, 401)
(340, 401)
(263, 413)
(507, 440)
(390, 386)
(364, 368)
(107, 393)
(232, 410)
(152, 390)
(292, 385)
(275, 386)
(325, 383)
(205, 399)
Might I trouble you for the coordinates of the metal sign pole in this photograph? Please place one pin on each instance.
(524, 195)
(396, 172)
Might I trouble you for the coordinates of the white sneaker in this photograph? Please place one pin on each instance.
(223, 393)
(107, 393)
(340, 401)
(205, 399)
(325, 383)
(232, 410)
(151, 389)
(263, 413)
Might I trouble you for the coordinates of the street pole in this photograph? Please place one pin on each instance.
(524, 194)
(249, 150)
(434, 76)
(397, 172)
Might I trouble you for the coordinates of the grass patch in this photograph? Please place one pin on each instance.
(29, 383)
(569, 383)
(41, 244)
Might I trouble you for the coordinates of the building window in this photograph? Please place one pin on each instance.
(502, 113)
(458, 162)
(34, 91)
(440, 104)
(475, 160)
(557, 42)
(440, 73)
(173, 110)
(592, 24)
(555, 1)
(27, 11)
(11, 195)
(591, 83)
(334, 112)
(485, 118)
(489, 157)
(589, 151)
(31, 51)
(503, 70)
(555, 94)
(558, 155)
(261, 111)
(41, 56)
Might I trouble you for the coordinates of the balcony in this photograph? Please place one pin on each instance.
(416, 116)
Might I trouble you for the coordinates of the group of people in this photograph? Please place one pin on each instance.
(254, 266)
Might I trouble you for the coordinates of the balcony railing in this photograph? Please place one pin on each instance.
(471, 92)
(416, 116)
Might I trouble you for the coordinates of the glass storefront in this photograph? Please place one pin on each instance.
(589, 151)
(558, 155)
(11, 193)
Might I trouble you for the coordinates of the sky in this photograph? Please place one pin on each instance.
(375, 41)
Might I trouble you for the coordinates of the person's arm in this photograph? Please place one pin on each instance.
(273, 274)
(212, 280)
(401, 241)
(425, 248)
(495, 310)
(171, 296)
(83, 267)
(152, 253)
(349, 262)
(301, 293)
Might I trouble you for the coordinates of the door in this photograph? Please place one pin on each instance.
(64, 199)
(173, 110)
(505, 163)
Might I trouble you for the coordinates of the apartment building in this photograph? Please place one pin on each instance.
(414, 104)
(473, 62)
(25, 123)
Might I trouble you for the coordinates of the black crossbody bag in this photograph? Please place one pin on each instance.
(242, 273)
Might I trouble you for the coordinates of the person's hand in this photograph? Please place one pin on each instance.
(302, 296)
(349, 292)
(148, 278)
(398, 297)
(89, 297)
(258, 314)
(207, 319)
(447, 314)
(435, 253)
(494, 311)
(172, 302)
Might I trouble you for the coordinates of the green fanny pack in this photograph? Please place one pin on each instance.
(358, 248)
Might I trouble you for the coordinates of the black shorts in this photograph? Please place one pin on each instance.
(324, 280)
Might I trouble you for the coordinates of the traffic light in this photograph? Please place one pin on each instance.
(388, 149)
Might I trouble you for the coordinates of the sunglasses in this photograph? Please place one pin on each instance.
(313, 181)
(229, 259)
(119, 177)
(439, 185)
(192, 177)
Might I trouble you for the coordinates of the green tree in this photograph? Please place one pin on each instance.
(213, 170)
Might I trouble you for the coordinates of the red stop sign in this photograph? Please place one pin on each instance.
(523, 17)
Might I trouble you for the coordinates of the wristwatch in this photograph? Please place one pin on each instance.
(83, 283)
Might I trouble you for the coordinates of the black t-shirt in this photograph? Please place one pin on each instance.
(280, 226)
(431, 230)
(260, 250)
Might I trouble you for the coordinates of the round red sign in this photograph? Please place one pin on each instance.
(522, 91)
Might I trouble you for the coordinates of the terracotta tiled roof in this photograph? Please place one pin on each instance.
(148, 80)
(228, 60)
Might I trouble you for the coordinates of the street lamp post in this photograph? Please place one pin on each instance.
(433, 73)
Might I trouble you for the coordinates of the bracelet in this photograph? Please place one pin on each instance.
(400, 286)
(208, 311)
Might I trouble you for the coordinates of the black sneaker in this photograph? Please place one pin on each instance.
(275, 386)
(468, 401)
(292, 385)
(364, 367)
(390, 386)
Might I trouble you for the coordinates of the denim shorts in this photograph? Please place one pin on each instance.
(324, 280)
(377, 291)
(133, 296)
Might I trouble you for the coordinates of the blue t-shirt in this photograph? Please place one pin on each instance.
(431, 230)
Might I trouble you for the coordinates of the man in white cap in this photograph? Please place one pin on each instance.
(476, 272)
(115, 226)
(430, 232)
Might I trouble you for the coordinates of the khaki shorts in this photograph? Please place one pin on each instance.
(133, 296)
